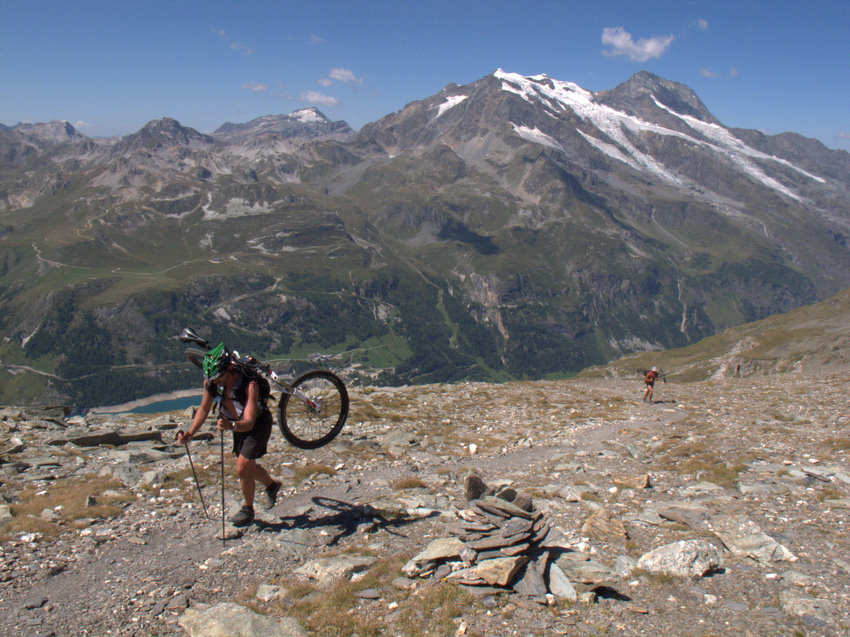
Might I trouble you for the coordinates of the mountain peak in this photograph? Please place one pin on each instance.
(304, 123)
(309, 114)
(645, 90)
(55, 131)
(163, 133)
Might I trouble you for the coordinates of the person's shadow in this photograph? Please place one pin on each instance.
(346, 516)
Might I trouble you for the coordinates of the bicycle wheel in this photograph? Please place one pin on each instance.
(316, 419)
(195, 356)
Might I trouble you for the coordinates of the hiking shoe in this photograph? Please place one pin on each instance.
(243, 517)
(271, 494)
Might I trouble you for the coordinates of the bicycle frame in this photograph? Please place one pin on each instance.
(270, 375)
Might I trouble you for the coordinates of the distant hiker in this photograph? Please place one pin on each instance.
(242, 410)
(649, 380)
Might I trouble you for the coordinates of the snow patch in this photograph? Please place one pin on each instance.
(450, 102)
(610, 149)
(556, 96)
(236, 207)
(537, 136)
(308, 116)
(727, 140)
(634, 344)
(26, 339)
(222, 314)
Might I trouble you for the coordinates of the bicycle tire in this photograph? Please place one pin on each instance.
(195, 356)
(310, 426)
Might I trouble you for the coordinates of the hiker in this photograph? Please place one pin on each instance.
(649, 379)
(241, 410)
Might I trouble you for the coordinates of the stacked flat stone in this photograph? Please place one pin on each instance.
(502, 542)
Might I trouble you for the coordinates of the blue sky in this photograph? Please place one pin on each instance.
(110, 66)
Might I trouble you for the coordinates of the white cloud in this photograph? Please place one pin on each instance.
(257, 87)
(81, 124)
(843, 134)
(242, 48)
(702, 24)
(707, 72)
(234, 45)
(621, 43)
(346, 76)
(315, 39)
(314, 97)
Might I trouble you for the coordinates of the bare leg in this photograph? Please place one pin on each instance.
(250, 473)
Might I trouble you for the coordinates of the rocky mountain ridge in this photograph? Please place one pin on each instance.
(526, 226)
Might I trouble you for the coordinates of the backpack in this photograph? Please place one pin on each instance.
(251, 371)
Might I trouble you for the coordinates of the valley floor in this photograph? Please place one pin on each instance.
(768, 453)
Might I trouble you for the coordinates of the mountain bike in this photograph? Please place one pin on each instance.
(312, 408)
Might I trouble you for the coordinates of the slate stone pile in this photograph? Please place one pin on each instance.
(503, 543)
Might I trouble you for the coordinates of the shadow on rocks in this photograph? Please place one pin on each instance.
(347, 516)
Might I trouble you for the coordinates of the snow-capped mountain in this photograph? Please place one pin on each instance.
(648, 126)
(304, 124)
(516, 226)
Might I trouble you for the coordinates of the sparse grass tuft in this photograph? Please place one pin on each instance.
(829, 492)
(409, 483)
(364, 411)
(839, 444)
(709, 468)
(311, 469)
(432, 612)
(339, 612)
(694, 458)
(334, 612)
(67, 500)
(658, 578)
(331, 613)
(687, 450)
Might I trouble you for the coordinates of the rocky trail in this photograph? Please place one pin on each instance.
(744, 483)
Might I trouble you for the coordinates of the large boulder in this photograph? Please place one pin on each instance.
(231, 620)
(685, 558)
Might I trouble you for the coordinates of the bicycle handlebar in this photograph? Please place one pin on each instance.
(188, 335)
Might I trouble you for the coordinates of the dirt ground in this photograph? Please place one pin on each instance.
(773, 450)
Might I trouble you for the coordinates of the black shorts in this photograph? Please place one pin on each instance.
(253, 444)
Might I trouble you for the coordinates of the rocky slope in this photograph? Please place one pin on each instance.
(744, 480)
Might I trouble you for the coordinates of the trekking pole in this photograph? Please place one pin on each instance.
(223, 538)
(197, 483)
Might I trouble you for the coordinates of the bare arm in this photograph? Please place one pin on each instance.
(198, 421)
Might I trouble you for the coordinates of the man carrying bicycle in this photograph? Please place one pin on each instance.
(242, 411)
(649, 380)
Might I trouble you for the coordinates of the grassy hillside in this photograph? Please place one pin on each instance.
(809, 339)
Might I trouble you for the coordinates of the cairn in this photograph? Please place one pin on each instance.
(503, 543)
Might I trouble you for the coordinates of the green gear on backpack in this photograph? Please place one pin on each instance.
(216, 361)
